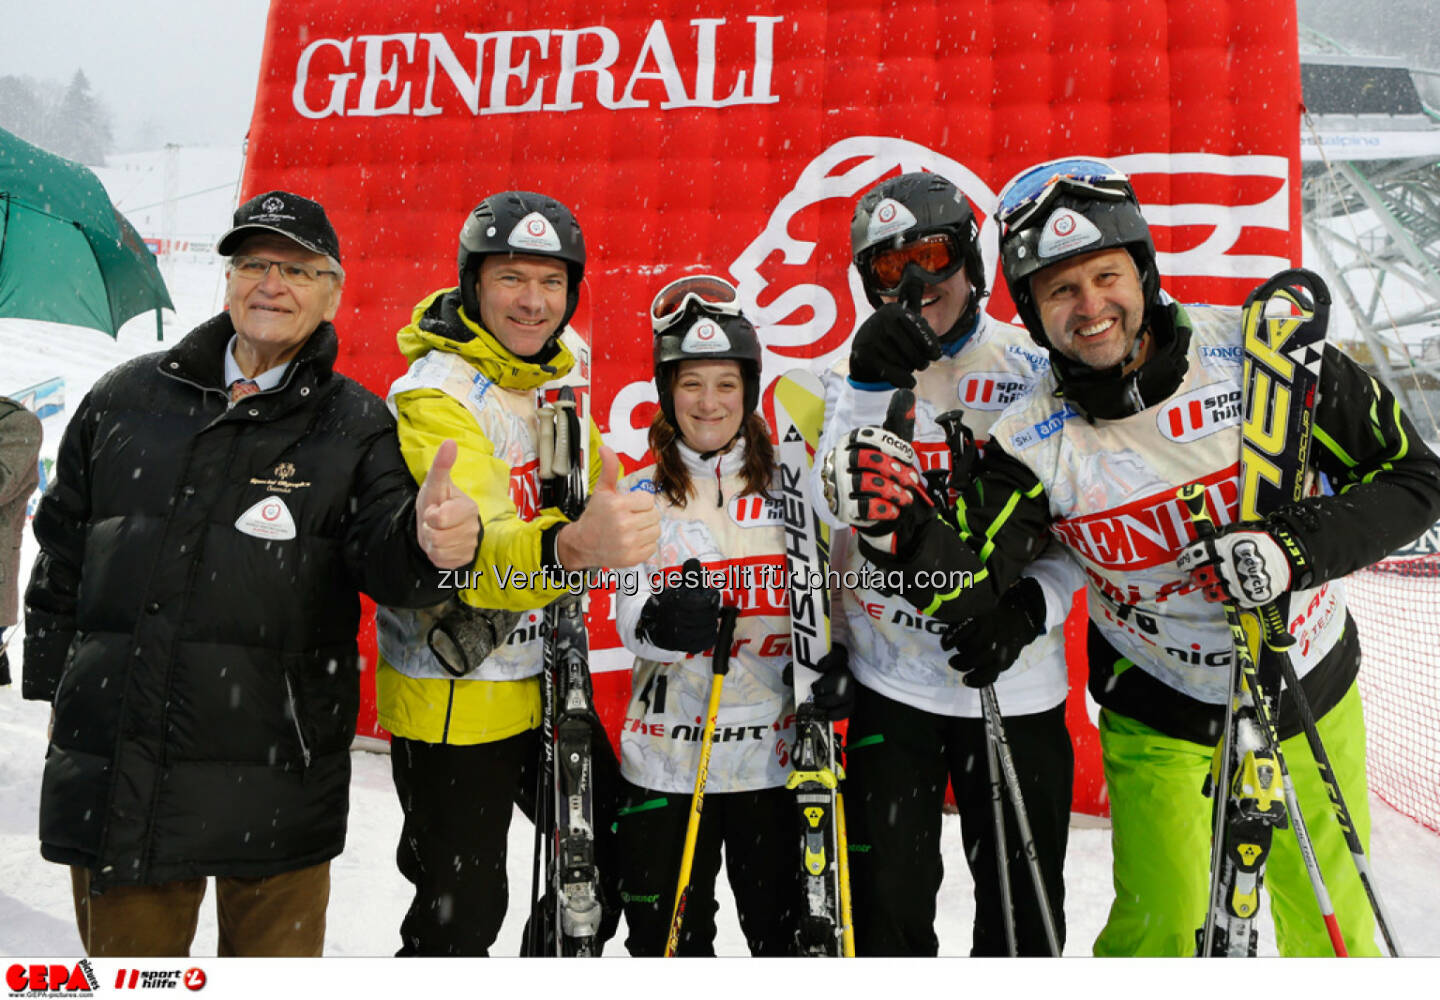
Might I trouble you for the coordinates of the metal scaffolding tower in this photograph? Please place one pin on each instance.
(1370, 194)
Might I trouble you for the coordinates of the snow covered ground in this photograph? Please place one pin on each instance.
(369, 896)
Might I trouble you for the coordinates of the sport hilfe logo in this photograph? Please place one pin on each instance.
(149, 979)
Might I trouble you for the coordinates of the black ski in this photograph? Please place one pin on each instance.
(571, 909)
(1284, 325)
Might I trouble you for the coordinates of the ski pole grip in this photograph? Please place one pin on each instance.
(545, 452)
(724, 635)
(900, 415)
(560, 462)
(1193, 496)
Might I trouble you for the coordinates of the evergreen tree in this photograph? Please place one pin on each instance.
(22, 111)
(82, 125)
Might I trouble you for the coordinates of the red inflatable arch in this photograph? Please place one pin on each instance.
(736, 137)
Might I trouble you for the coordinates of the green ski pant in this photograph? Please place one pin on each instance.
(1161, 840)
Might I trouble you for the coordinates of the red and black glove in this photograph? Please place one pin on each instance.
(873, 483)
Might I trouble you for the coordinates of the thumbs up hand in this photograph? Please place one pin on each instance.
(609, 481)
(894, 342)
(447, 522)
(617, 529)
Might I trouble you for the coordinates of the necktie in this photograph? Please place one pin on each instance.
(241, 388)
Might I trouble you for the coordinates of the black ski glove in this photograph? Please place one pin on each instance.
(834, 691)
(987, 645)
(684, 617)
(462, 636)
(891, 345)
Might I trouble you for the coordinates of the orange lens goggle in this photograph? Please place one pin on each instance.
(715, 294)
(935, 254)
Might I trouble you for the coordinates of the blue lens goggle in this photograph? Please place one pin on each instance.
(1031, 190)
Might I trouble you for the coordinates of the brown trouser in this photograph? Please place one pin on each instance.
(282, 915)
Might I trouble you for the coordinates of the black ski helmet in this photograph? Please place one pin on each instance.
(1067, 208)
(904, 209)
(1072, 207)
(707, 334)
(525, 223)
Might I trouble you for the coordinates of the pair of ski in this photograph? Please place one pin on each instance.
(567, 911)
(825, 924)
(1284, 324)
(824, 927)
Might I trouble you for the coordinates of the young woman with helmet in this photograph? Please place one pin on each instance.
(1144, 397)
(721, 541)
(466, 739)
(918, 720)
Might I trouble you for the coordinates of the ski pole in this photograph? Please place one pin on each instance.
(1278, 640)
(995, 732)
(544, 780)
(1002, 852)
(1193, 497)
(1337, 800)
(842, 862)
(720, 666)
(1219, 783)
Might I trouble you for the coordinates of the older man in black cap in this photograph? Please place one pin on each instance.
(216, 511)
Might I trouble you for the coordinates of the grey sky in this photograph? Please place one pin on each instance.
(1406, 29)
(188, 69)
(185, 72)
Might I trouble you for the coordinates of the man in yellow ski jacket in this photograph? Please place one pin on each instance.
(466, 742)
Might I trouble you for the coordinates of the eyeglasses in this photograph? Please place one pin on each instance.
(713, 294)
(937, 254)
(1030, 191)
(294, 274)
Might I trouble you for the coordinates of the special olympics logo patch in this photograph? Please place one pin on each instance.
(705, 337)
(536, 227)
(1064, 225)
(886, 212)
(272, 204)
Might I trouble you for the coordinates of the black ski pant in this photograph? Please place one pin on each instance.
(897, 762)
(760, 834)
(458, 801)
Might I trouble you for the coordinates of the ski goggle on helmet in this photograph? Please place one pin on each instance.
(938, 255)
(714, 295)
(1030, 193)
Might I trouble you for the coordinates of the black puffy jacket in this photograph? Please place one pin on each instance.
(205, 678)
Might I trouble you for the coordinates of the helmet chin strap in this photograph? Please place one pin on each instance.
(707, 455)
(1113, 393)
(1136, 347)
(964, 327)
(959, 335)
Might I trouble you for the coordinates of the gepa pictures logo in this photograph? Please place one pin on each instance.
(36, 979)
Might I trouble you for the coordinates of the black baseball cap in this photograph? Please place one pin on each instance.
(290, 215)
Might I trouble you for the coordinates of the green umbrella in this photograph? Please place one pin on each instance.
(66, 254)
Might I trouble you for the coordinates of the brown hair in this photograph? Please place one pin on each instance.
(672, 479)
